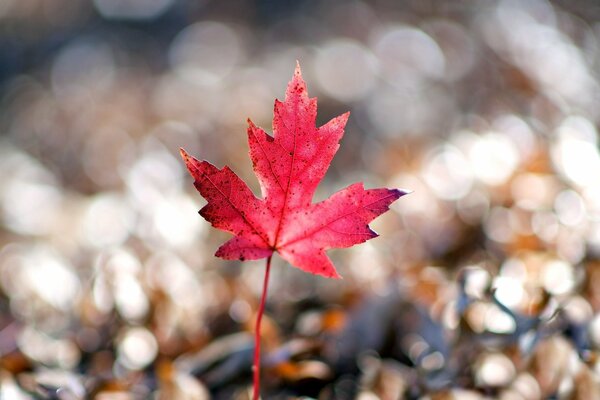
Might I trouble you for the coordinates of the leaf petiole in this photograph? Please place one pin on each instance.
(261, 309)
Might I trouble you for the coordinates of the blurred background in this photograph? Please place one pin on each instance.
(484, 283)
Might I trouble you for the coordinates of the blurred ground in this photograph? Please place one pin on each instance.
(484, 283)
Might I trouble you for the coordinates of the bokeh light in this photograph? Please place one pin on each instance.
(483, 284)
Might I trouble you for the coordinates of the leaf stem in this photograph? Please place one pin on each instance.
(261, 309)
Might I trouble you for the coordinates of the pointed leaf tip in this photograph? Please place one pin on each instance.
(186, 159)
(334, 275)
(403, 192)
(183, 153)
(190, 162)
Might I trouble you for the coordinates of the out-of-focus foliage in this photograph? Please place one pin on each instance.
(484, 284)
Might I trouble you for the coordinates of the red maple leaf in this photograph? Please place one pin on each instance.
(289, 166)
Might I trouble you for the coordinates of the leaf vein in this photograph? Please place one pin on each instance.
(326, 224)
(246, 220)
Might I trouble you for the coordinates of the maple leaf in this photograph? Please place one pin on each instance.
(289, 166)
